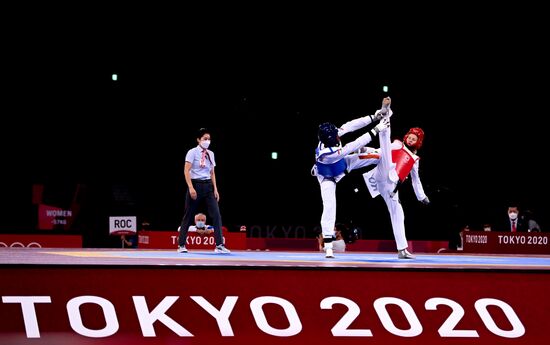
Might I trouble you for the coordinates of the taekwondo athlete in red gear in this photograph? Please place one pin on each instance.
(385, 177)
(332, 161)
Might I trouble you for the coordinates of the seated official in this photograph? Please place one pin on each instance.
(532, 225)
(513, 222)
(200, 226)
(338, 244)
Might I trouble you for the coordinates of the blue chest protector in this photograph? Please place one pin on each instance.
(332, 169)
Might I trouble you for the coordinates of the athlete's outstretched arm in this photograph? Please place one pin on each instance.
(417, 185)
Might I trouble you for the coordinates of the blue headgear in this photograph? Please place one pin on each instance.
(328, 134)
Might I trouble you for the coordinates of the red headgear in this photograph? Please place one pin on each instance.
(419, 133)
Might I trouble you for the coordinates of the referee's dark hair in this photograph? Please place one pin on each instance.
(201, 132)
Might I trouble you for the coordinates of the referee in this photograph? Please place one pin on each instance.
(201, 182)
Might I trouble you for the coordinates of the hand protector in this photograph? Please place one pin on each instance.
(384, 123)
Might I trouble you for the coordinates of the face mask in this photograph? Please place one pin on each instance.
(200, 224)
(512, 215)
(205, 144)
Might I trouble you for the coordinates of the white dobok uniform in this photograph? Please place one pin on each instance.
(346, 160)
(383, 179)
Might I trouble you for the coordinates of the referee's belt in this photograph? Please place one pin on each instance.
(201, 181)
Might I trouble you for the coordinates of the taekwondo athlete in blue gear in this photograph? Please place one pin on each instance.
(332, 161)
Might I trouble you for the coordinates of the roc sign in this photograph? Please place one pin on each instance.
(122, 225)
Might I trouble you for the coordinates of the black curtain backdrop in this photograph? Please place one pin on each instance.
(481, 104)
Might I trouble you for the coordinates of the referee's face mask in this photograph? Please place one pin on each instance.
(204, 143)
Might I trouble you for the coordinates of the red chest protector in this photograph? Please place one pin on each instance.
(404, 160)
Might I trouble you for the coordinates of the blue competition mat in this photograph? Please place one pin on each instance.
(237, 258)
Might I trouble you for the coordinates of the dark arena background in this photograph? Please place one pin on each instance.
(99, 112)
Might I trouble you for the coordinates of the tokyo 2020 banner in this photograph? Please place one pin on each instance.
(136, 305)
